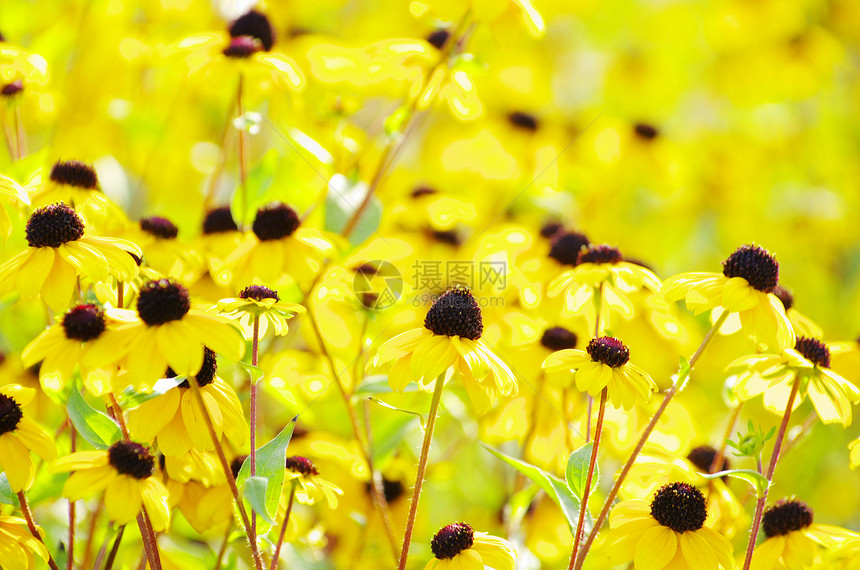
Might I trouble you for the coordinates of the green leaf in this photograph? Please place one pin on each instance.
(255, 491)
(395, 121)
(133, 399)
(683, 367)
(396, 409)
(94, 426)
(7, 495)
(255, 371)
(577, 470)
(520, 502)
(557, 489)
(754, 478)
(271, 466)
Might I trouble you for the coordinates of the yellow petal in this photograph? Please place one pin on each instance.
(655, 549)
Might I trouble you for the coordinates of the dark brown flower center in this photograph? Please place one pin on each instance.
(549, 229)
(204, 376)
(787, 515)
(12, 89)
(438, 38)
(450, 237)
(558, 338)
(646, 131)
(218, 221)
(242, 47)
(236, 465)
(423, 191)
(756, 265)
(784, 295)
(258, 293)
(84, 322)
(368, 269)
(524, 121)
(301, 465)
(455, 313)
(75, 173)
(54, 225)
(814, 351)
(10, 414)
(599, 254)
(162, 301)
(565, 247)
(256, 25)
(275, 221)
(702, 458)
(609, 351)
(679, 506)
(451, 540)
(159, 227)
(131, 458)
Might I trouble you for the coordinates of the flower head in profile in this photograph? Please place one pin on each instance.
(124, 472)
(802, 325)
(601, 269)
(164, 251)
(792, 540)
(165, 331)
(63, 345)
(19, 435)
(17, 545)
(669, 532)
(258, 303)
(175, 420)
(746, 287)
(457, 547)
(310, 487)
(605, 363)
(59, 253)
(808, 363)
(449, 343)
(76, 183)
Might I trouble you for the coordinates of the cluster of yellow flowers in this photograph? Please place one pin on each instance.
(297, 286)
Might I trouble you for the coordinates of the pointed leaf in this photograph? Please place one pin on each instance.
(271, 466)
(7, 496)
(94, 426)
(577, 470)
(754, 478)
(255, 491)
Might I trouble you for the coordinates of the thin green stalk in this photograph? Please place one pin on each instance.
(280, 543)
(422, 467)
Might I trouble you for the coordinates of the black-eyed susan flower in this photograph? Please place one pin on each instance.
(450, 341)
(59, 253)
(277, 251)
(458, 547)
(62, 346)
(165, 332)
(263, 305)
(605, 363)
(669, 533)
(792, 540)
(746, 286)
(163, 251)
(311, 488)
(602, 270)
(174, 418)
(125, 473)
(808, 363)
(76, 183)
(19, 435)
(17, 545)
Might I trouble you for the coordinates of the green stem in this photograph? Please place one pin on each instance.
(422, 467)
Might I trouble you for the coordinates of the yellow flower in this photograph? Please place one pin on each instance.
(16, 196)
(605, 363)
(257, 302)
(602, 268)
(163, 252)
(17, 545)
(62, 346)
(165, 332)
(792, 540)
(311, 488)
(18, 436)
(60, 252)
(745, 287)
(802, 325)
(174, 418)
(124, 472)
(277, 251)
(77, 184)
(449, 342)
(458, 547)
(668, 534)
(808, 363)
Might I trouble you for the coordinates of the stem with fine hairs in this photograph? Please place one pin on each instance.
(280, 543)
(31, 524)
(252, 533)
